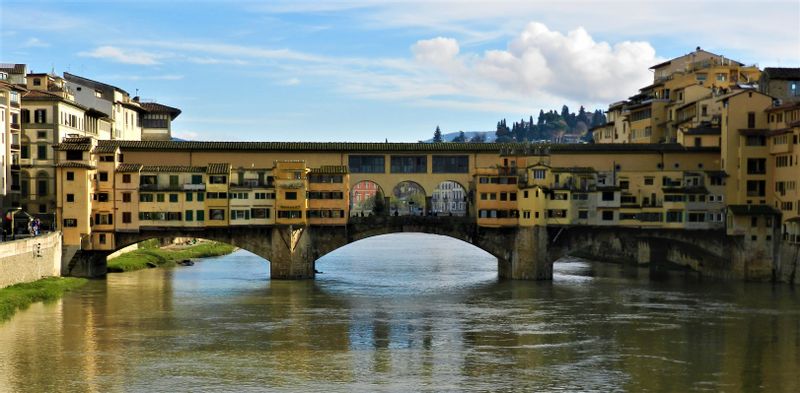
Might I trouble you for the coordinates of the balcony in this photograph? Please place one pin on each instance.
(15, 126)
(194, 187)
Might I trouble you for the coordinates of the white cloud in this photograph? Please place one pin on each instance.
(123, 56)
(290, 82)
(439, 51)
(34, 42)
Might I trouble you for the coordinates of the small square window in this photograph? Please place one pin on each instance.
(70, 197)
(126, 178)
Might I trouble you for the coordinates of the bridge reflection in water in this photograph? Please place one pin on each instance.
(404, 312)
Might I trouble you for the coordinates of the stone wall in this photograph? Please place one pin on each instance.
(30, 259)
(789, 267)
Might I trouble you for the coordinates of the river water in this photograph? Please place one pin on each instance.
(405, 312)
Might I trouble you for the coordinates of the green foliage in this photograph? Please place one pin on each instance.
(378, 204)
(550, 124)
(437, 135)
(461, 138)
(147, 257)
(21, 296)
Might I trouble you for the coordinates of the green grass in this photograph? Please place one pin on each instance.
(21, 296)
(148, 257)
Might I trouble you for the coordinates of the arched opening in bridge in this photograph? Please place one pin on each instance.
(172, 251)
(367, 198)
(406, 263)
(408, 199)
(449, 198)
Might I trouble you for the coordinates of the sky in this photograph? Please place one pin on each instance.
(382, 70)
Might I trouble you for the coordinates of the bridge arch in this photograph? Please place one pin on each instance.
(449, 197)
(366, 196)
(408, 198)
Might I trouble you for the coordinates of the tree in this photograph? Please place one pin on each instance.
(478, 138)
(378, 204)
(503, 133)
(460, 138)
(437, 135)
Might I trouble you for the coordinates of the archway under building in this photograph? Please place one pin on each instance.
(367, 198)
(408, 198)
(449, 198)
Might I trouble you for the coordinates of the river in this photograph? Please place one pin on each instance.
(405, 312)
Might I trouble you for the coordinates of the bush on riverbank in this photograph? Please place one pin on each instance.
(151, 257)
(21, 296)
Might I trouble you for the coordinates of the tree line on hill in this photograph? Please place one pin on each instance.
(549, 126)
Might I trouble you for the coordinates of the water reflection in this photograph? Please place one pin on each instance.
(405, 313)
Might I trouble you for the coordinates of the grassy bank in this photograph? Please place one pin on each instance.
(20, 296)
(154, 256)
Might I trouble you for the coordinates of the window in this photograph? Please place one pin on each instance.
(173, 198)
(126, 197)
(240, 214)
(70, 197)
(126, 217)
(539, 174)
(648, 181)
(188, 214)
(290, 195)
(200, 197)
(159, 197)
(42, 208)
(756, 166)
(583, 214)
(25, 151)
(126, 178)
(217, 179)
(259, 213)
(41, 187)
(216, 214)
(40, 116)
(450, 164)
(189, 196)
(41, 152)
(525, 194)
(103, 176)
(409, 164)
(608, 215)
(197, 179)
(366, 164)
(70, 176)
(290, 214)
(70, 223)
(751, 120)
(103, 219)
(173, 180)
(201, 215)
(102, 197)
(41, 134)
(675, 216)
(754, 221)
(145, 197)
(608, 195)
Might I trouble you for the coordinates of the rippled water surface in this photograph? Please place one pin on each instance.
(405, 312)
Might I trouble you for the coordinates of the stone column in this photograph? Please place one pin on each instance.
(89, 264)
(291, 257)
(529, 258)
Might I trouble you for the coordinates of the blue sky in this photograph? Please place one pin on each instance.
(376, 70)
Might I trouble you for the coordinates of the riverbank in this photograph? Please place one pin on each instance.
(147, 257)
(21, 296)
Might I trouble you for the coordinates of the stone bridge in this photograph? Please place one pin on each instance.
(525, 253)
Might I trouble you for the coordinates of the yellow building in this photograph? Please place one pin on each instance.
(783, 165)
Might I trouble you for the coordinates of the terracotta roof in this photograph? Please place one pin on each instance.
(753, 131)
(70, 164)
(782, 73)
(107, 149)
(218, 169)
(173, 168)
(41, 94)
(154, 107)
(703, 131)
(73, 146)
(629, 148)
(313, 146)
(577, 169)
(330, 170)
(77, 139)
(753, 210)
(13, 68)
(129, 168)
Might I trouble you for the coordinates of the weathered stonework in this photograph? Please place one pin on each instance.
(30, 259)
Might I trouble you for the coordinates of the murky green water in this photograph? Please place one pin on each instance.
(405, 312)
